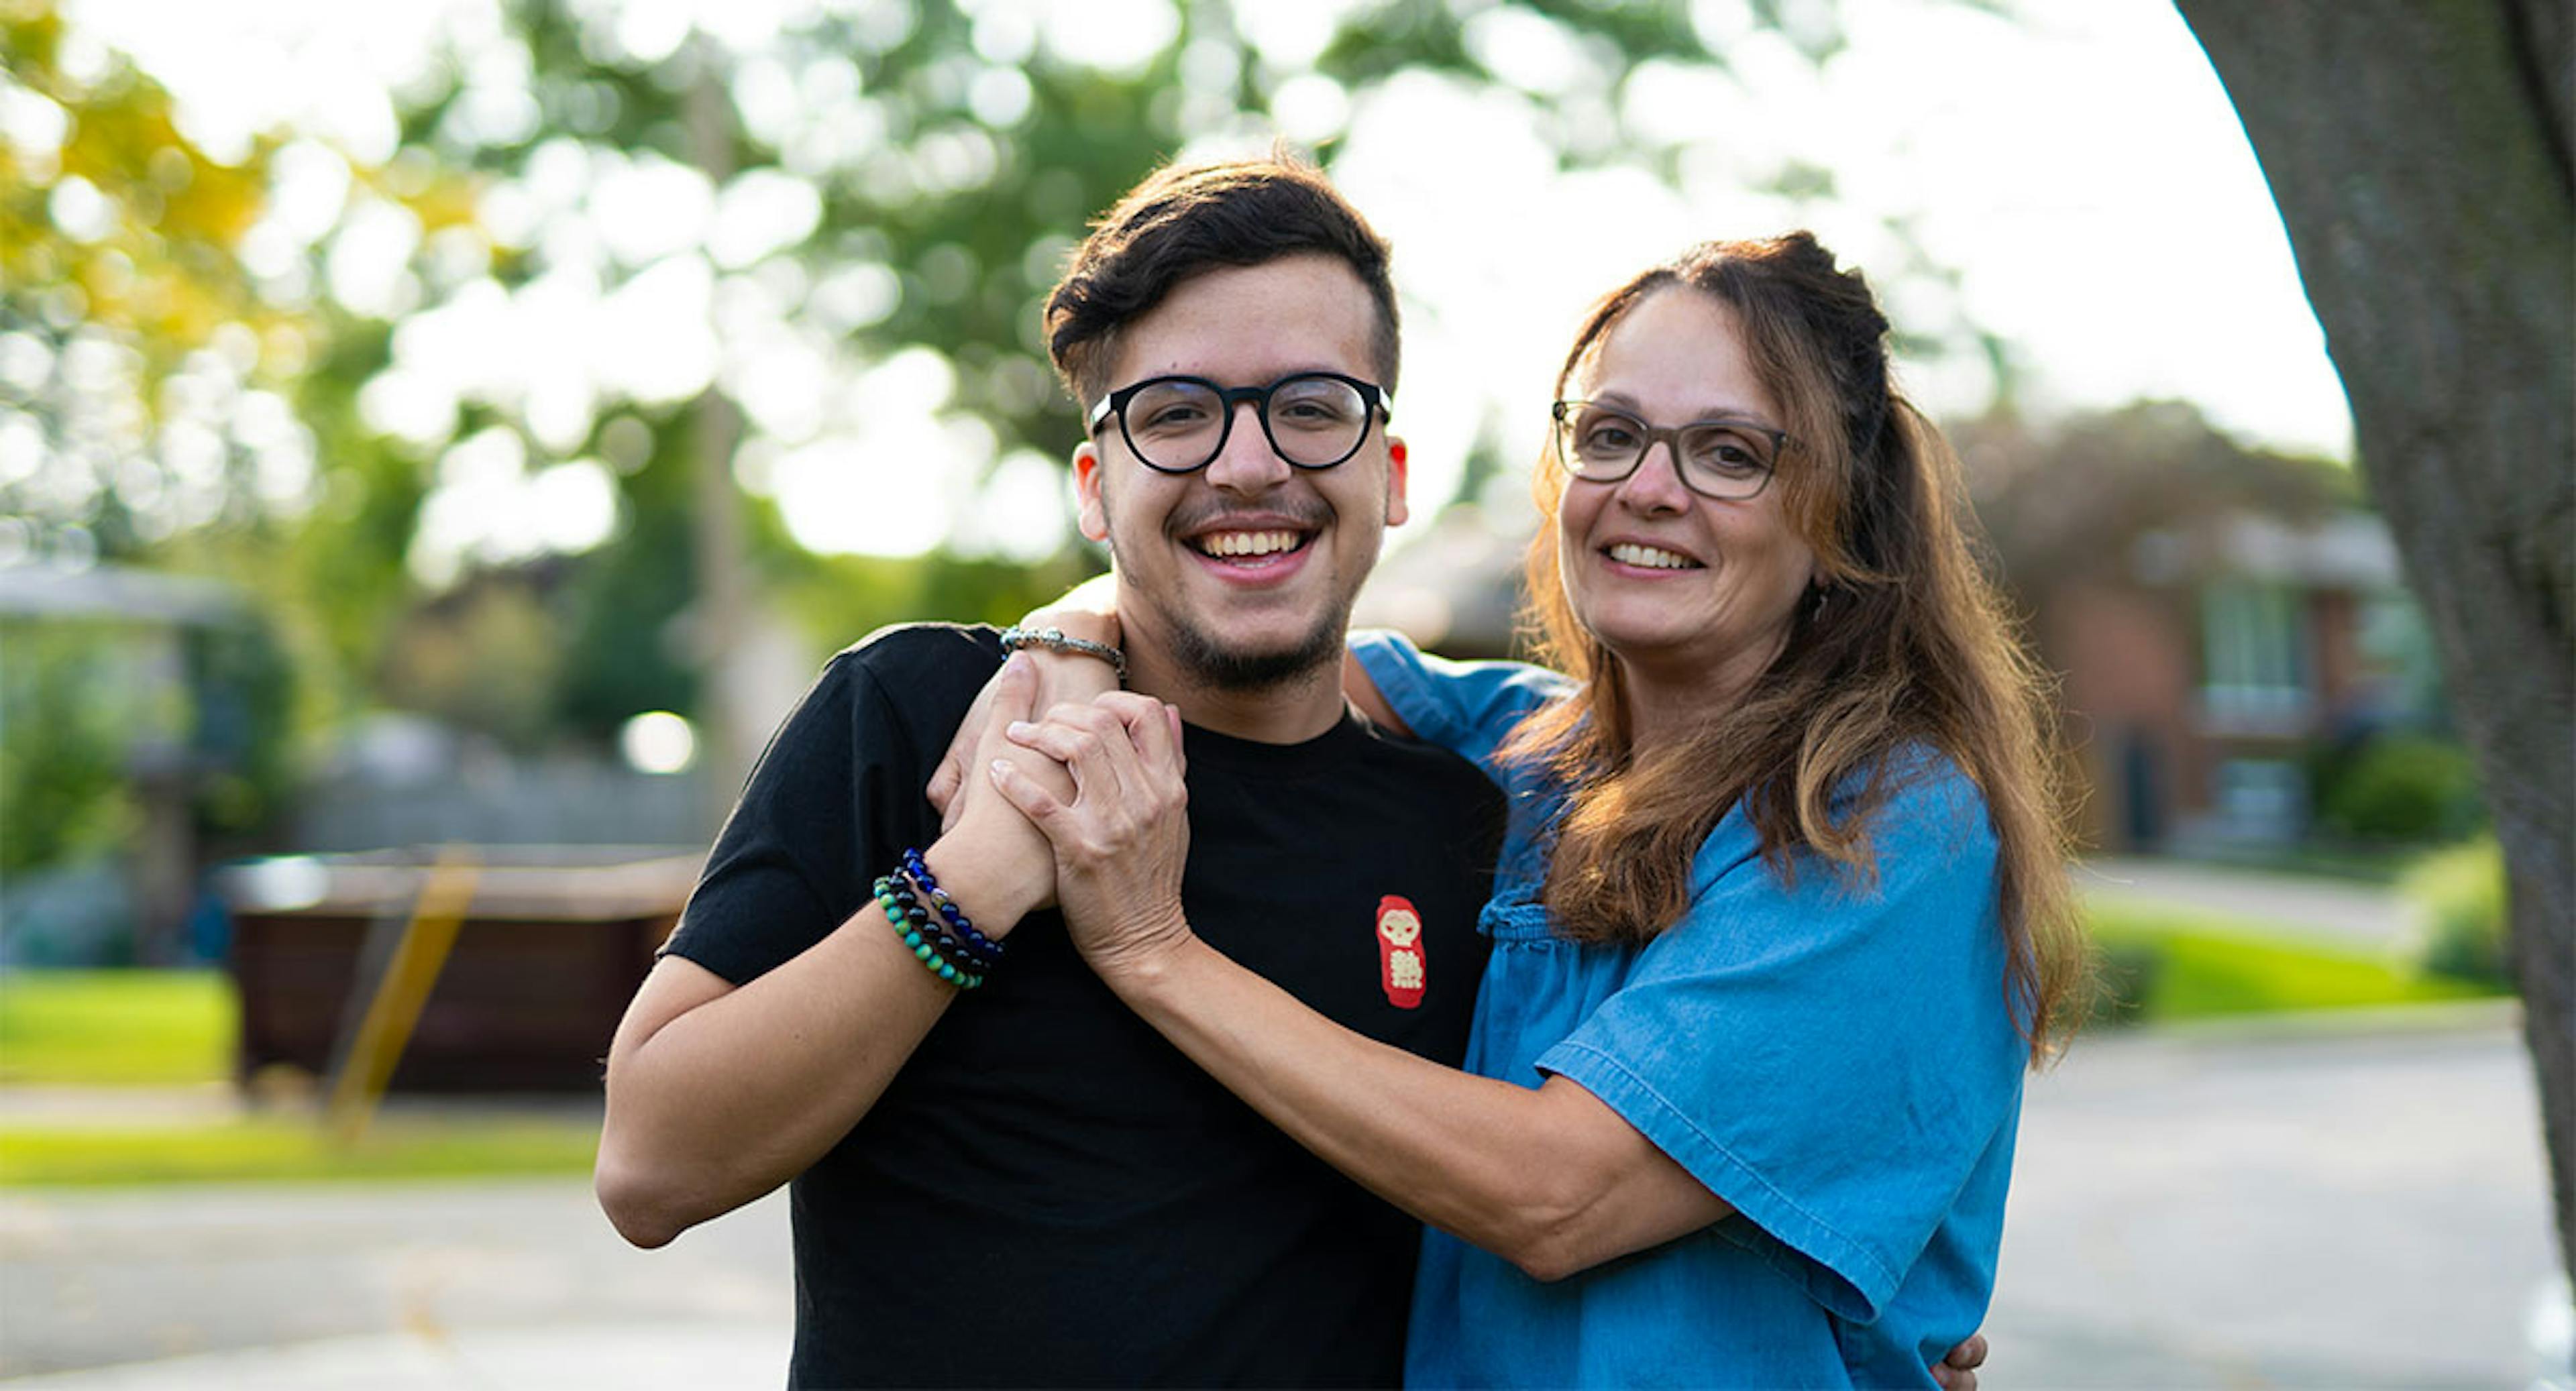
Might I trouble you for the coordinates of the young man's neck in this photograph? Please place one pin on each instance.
(1291, 712)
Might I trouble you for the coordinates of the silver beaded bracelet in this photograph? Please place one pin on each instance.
(1054, 640)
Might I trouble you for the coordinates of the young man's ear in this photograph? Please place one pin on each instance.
(1089, 511)
(1395, 471)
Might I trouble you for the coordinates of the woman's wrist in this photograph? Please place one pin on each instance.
(1037, 637)
(1082, 625)
(1147, 963)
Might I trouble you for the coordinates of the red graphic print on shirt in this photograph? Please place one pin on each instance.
(1400, 965)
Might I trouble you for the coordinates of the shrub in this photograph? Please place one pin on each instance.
(2402, 787)
(2459, 900)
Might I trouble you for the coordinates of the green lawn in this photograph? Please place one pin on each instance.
(115, 1028)
(144, 1029)
(2168, 963)
(292, 1148)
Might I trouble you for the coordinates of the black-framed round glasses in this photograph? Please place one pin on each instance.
(1725, 458)
(1314, 420)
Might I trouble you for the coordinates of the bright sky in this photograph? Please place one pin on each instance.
(2079, 166)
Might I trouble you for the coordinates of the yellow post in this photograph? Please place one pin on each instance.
(446, 893)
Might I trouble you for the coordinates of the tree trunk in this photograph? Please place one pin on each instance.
(2419, 155)
(732, 725)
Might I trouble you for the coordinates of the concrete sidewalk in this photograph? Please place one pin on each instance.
(2358, 915)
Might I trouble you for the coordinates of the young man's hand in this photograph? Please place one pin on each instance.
(986, 849)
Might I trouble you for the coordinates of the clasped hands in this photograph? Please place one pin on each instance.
(1080, 801)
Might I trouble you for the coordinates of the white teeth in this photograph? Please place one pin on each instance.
(1630, 553)
(1248, 543)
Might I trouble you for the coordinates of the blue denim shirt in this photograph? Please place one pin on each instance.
(1835, 1059)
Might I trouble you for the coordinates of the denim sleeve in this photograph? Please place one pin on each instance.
(1465, 707)
(1834, 1057)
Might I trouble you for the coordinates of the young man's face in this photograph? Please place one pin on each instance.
(1243, 572)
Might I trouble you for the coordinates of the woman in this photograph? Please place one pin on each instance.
(1781, 918)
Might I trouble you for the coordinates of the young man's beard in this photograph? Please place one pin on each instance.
(1206, 658)
(1201, 655)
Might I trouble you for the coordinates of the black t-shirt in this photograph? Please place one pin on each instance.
(1048, 1193)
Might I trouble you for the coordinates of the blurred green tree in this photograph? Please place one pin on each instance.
(343, 380)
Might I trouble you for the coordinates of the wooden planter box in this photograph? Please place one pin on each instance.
(551, 950)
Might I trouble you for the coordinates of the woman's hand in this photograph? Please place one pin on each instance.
(1123, 838)
(1087, 611)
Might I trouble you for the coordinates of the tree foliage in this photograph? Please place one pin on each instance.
(127, 323)
(2072, 500)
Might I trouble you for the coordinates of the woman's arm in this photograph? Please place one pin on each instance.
(1361, 689)
(1551, 1179)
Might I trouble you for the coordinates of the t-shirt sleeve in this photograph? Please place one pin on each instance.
(1832, 1057)
(826, 799)
(1464, 707)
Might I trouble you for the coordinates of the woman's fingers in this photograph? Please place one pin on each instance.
(1126, 766)
(1033, 799)
(1153, 727)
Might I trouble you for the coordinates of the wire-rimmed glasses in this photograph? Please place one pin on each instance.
(1725, 458)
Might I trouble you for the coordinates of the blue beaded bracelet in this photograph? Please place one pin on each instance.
(908, 923)
(947, 942)
(916, 923)
(918, 870)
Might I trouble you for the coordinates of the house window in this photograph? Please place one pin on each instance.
(2262, 799)
(2254, 654)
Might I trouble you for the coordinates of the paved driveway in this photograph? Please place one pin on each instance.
(2291, 1209)
(441, 1285)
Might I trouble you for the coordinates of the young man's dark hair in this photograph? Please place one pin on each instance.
(1188, 219)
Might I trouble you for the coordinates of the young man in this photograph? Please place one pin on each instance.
(1020, 1183)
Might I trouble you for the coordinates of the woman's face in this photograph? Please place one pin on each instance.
(1682, 588)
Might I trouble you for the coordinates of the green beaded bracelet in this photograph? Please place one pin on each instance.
(908, 925)
(954, 940)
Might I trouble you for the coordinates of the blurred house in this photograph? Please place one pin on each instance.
(2203, 681)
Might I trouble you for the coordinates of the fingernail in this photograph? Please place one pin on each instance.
(1017, 661)
(1018, 728)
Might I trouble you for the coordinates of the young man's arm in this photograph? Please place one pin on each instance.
(717, 1094)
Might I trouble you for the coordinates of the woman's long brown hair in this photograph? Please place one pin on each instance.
(1903, 641)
